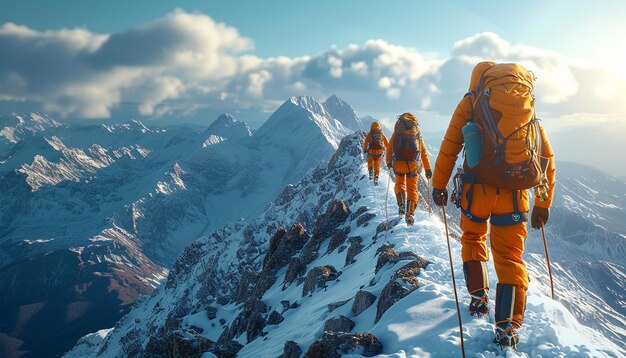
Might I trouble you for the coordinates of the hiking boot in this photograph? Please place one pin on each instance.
(371, 172)
(506, 335)
(479, 306)
(375, 179)
(409, 220)
(410, 213)
(477, 281)
(401, 210)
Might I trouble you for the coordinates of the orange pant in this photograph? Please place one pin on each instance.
(406, 182)
(507, 241)
(373, 160)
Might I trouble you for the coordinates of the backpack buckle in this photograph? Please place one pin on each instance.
(487, 92)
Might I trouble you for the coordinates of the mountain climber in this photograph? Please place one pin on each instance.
(406, 147)
(510, 155)
(375, 143)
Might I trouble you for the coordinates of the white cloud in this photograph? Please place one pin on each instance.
(184, 61)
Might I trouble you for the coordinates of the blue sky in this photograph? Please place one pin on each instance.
(188, 61)
(304, 28)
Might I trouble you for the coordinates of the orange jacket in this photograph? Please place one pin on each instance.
(452, 142)
(375, 126)
(403, 167)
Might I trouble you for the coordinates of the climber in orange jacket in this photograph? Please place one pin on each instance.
(480, 201)
(375, 143)
(405, 149)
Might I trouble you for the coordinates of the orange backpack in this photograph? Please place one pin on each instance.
(406, 138)
(376, 139)
(503, 107)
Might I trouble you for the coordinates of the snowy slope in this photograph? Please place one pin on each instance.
(247, 288)
(158, 189)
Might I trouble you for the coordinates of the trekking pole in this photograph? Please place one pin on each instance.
(386, 201)
(545, 246)
(456, 298)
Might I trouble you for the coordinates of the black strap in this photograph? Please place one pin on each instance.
(471, 180)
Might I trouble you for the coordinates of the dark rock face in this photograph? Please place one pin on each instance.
(246, 286)
(362, 301)
(275, 318)
(339, 237)
(250, 320)
(291, 350)
(354, 249)
(364, 219)
(184, 343)
(333, 306)
(335, 215)
(391, 256)
(317, 277)
(295, 269)
(283, 246)
(402, 283)
(358, 212)
(336, 344)
(339, 324)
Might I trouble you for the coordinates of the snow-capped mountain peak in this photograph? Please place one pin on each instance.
(297, 116)
(226, 126)
(343, 112)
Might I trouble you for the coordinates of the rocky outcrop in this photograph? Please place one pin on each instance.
(335, 215)
(317, 277)
(364, 219)
(390, 255)
(339, 324)
(354, 249)
(275, 318)
(291, 350)
(336, 344)
(338, 238)
(402, 283)
(333, 306)
(362, 301)
(183, 344)
(295, 269)
(283, 246)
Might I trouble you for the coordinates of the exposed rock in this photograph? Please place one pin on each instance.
(283, 246)
(190, 256)
(246, 286)
(317, 277)
(291, 350)
(336, 344)
(338, 238)
(364, 219)
(384, 226)
(250, 320)
(391, 256)
(358, 212)
(335, 215)
(211, 312)
(339, 324)
(354, 249)
(402, 283)
(275, 318)
(295, 269)
(183, 343)
(333, 306)
(362, 301)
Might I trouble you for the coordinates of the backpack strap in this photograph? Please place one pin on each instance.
(513, 218)
(470, 179)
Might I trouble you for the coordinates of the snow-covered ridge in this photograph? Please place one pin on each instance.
(261, 290)
(14, 128)
(74, 163)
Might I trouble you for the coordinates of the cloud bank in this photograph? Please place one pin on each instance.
(187, 61)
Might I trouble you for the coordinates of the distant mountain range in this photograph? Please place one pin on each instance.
(112, 206)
